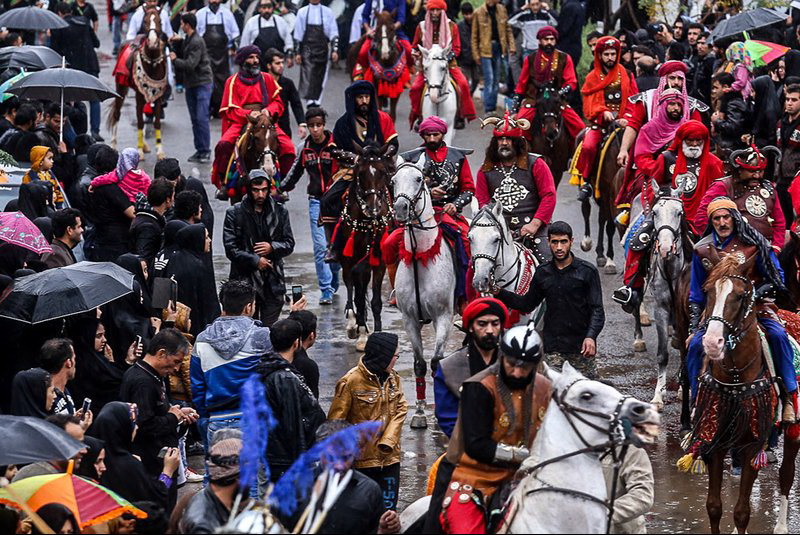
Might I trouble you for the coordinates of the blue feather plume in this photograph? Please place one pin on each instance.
(338, 449)
(257, 421)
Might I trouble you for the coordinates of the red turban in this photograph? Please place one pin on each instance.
(671, 66)
(432, 124)
(436, 4)
(547, 31)
(484, 306)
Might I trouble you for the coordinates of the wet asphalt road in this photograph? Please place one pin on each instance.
(680, 499)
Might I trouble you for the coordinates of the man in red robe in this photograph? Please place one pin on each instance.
(248, 93)
(605, 99)
(547, 70)
(438, 29)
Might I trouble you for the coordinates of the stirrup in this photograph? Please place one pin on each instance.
(623, 295)
(585, 192)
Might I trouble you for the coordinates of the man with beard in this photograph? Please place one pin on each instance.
(501, 409)
(361, 123)
(248, 94)
(267, 31)
(689, 166)
(257, 235)
(730, 234)
(574, 316)
(437, 29)
(754, 195)
(548, 71)
(521, 182)
(789, 142)
(273, 61)
(217, 26)
(315, 33)
(484, 319)
(605, 100)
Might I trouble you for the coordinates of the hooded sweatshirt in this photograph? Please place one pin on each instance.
(225, 354)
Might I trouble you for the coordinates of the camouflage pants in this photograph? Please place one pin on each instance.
(586, 365)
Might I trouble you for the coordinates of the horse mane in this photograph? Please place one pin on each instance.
(727, 267)
(384, 18)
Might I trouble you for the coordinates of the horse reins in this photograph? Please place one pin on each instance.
(493, 259)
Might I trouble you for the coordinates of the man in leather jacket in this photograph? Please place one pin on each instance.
(257, 235)
(730, 234)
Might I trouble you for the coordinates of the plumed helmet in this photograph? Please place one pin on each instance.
(522, 342)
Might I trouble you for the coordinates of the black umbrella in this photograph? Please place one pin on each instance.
(60, 84)
(28, 440)
(61, 292)
(746, 22)
(31, 18)
(28, 57)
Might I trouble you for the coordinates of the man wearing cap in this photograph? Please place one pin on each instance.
(210, 509)
(688, 166)
(501, 409)
(754, 195)
(521, 182)
(729, 233)
(373, 391)
(437, 29)
(605, 100)
(552, 71)
(484, 320)
(247, 94)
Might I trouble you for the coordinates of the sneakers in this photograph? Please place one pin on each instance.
(585, 193)
(179, 88)
(193, 477)
(460, 123)
(327, 297)
(199, 157)
(97, 137)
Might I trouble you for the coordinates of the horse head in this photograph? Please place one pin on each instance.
(668, 222)
(597, 413)
(436, 70)
(729, 306)
(412, 198)
(373, 166)
(262, 147)
(488, 237)
(384, 42)
(548, 115)
(152, 22)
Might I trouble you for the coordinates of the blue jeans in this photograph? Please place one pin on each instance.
(94, 117)
(326, 273)
(198, 100)
(491, 77)
(778, 340)
(116, 31)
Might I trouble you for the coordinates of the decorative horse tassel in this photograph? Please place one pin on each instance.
(350, 246)
(699, 466)
(684, 464)
(760, 460)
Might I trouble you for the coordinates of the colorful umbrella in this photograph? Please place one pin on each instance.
(90, 502)
(763, 52)
(17, 229)
(8, 83)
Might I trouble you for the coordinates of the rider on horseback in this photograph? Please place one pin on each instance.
(688, 166)
(548, 70)
(248, 94)
(369, 20)
(437, 29)
(730, 234)
(605, 100)
(521, 182)
(501, 409)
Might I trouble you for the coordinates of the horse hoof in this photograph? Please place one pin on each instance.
(141, 154)
(351, 327)
(781, 528)
(676, 344)
(639, 346)
(658, 403)
(160, 155)
(644, 320)
(586, 244)
(419, 421)
(601, 261)
(610, 268)
(361, 343)
(146, 148)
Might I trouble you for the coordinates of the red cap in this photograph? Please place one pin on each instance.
(436, 4)
(484, 306)
(668, 67)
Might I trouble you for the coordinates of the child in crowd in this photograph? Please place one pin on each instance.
(130, 179)
(41, 165)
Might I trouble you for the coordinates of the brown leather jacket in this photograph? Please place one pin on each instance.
(360, 397)
(482, 32)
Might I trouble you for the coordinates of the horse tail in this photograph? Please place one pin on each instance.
(115, 110)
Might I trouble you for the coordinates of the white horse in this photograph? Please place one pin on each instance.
(497, 260)
(440, 98)
(563, 487)
(425, 285)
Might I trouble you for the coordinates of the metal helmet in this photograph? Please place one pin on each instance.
(523, 343)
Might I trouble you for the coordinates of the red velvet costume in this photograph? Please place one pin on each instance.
(238, 100)
(555, 69)
(603, 92)
(396, 78)
(466, 108)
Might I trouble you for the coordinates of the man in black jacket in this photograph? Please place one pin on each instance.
(293, 404)
(195, 65)
(147, 230)
(574, 315)
(734, 116)
(465, 59)
(570, 27)
(257, 235)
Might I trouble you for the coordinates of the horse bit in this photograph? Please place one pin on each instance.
(735, 332)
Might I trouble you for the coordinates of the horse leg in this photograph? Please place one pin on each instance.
(377, 299)
(639, 344)
(787, 470)
(714, 498)
(140, 124)
(662, 325)
(418, 420)
(393, 108)
(362, 281)
(686, 415)
(586, 211)
(611, 267)
(160, 155)
(351, 326)
(600, 249)
(741, 513)
(442, 325)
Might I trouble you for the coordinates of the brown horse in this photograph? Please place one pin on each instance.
(388, 67)
(143, 66)
(365, 219)
(736, 401)
(256, 148)
(548, 135)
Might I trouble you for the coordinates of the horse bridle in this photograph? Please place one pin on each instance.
(444, 86)
(374, 219)
(559, 126)
(415, 215)
(493, 223)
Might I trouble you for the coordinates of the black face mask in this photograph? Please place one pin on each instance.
(514, 383)
(487, 342)
(433, 145)
(548, 49)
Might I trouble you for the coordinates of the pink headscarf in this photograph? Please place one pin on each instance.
(432, 124)
(660, 130)
(444, 31)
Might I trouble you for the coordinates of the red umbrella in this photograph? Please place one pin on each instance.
(17, 229)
